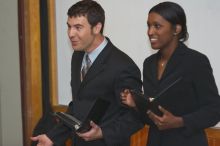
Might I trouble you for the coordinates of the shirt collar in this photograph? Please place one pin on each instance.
(93, 55)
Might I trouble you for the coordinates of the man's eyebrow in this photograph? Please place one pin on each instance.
(76, 25)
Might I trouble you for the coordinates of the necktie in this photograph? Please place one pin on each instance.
(86, 66)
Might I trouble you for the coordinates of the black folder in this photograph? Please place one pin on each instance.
(144, 104)
(95, 114)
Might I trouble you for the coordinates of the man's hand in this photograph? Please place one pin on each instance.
(167, 120)
(93, 134)
(43, 140)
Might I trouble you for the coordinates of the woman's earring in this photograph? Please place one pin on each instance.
(174, 33)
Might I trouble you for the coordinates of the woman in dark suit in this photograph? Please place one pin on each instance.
(180, 115)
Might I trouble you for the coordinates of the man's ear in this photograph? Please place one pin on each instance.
(178, 29)
(97, 28)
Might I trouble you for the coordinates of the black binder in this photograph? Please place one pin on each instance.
(95, 114)
(144, 104)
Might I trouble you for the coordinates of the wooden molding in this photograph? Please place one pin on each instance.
(31, 66)
(140, 138)
(52, 53)
(213, 135)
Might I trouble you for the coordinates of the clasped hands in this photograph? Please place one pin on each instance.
(93, 134)
(166, 121)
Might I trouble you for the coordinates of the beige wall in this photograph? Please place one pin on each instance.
(130, 35)
(10, 98)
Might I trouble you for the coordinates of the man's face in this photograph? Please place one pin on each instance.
(81, 34)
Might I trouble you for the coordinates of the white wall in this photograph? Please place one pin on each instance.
(10, 98)
(126, 27)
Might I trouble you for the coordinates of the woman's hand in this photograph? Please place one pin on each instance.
(127, 98)
(167, 120)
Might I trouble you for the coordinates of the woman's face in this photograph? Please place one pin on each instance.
(161, 33)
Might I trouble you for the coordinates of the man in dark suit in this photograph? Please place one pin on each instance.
(110, 71)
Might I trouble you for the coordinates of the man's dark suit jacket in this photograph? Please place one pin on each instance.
(111, 72)
(195, 97)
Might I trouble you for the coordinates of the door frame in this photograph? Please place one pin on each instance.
(30, 63)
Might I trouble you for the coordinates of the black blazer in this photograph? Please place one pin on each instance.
(195, 97)
(111, 72)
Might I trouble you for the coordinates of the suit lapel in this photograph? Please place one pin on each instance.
(76, 70)
(174, 62)
(174, 68)
(97, 66)
(154, 69)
